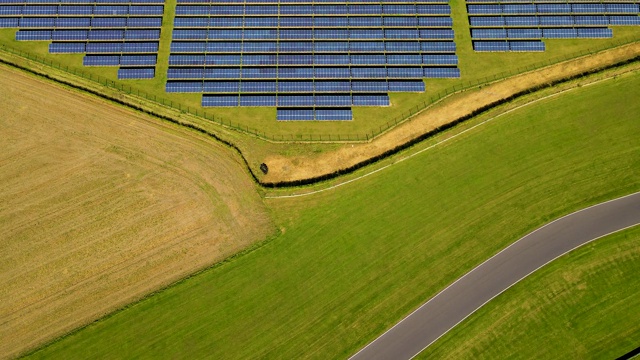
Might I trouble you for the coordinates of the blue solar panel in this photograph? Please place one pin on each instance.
(136, 73)
(295, 86)
(105, 22)
(490, 46)
(66, 48)
(333, 114)
(335, 86)
(258, 86)
(405, 72)
(145, 22)
(371, 100)
(27, 35)
(105, 34)
(295, 114)
(369, 86)
(592, 20)
(222, 73)
(624, 20)
(185, 87)
(406, 86)
(74, 22)
(560, 33)
(295, 100)
(257, 100)
(140, 47)
(138, 60)
(524, 33)
(594, 33)
(221, 86)
(101, 60)
(438, 46)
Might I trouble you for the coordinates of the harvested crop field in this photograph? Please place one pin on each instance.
(100, 206)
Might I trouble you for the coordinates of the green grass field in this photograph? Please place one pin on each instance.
(583, 305)
(353, 261)
(475, 67)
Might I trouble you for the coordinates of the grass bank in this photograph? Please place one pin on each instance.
(353, 261)
(583, 305)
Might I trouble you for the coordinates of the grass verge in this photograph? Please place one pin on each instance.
(351, 262)
(583, 305)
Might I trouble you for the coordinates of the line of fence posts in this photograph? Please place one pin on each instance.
(169, 103)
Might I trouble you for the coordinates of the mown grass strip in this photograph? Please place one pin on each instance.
(583, 305)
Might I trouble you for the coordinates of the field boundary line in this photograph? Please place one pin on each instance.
(534, 101)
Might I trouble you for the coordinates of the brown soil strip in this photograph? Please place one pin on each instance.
(295, 168)
(100, 205)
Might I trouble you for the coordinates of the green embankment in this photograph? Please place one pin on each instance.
(582, 306)
(353, 261)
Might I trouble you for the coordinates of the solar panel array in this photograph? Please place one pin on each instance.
(123, 33)
(520, 25)
(311, 60)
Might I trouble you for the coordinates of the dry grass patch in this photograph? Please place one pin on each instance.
(100, 205)
(291, 168)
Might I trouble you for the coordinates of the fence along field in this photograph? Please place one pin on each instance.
(100, 206)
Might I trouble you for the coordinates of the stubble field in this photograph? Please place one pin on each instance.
(100, 205)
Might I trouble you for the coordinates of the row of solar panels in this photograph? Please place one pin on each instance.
(560, 20)
(136, 73)
(76, 22)
(3, 2)
(515, 46)
(79, 35)
(563, 33)
(313, 47)
(117, 60)
(308, 34)
(549, 1)
(330, 22)
(339, 86)
(306, 1)
(73, 10)
(372, 9)
(311, 114)
(314, 73)
(325, 100)
(305, 60)
(98, 48)
(545, 8)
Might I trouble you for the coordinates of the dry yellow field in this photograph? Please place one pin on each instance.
(100, 205)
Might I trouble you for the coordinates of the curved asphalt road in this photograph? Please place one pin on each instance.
(466, 295)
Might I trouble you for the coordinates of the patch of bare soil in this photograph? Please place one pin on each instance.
(100, 206)
(291, 168)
